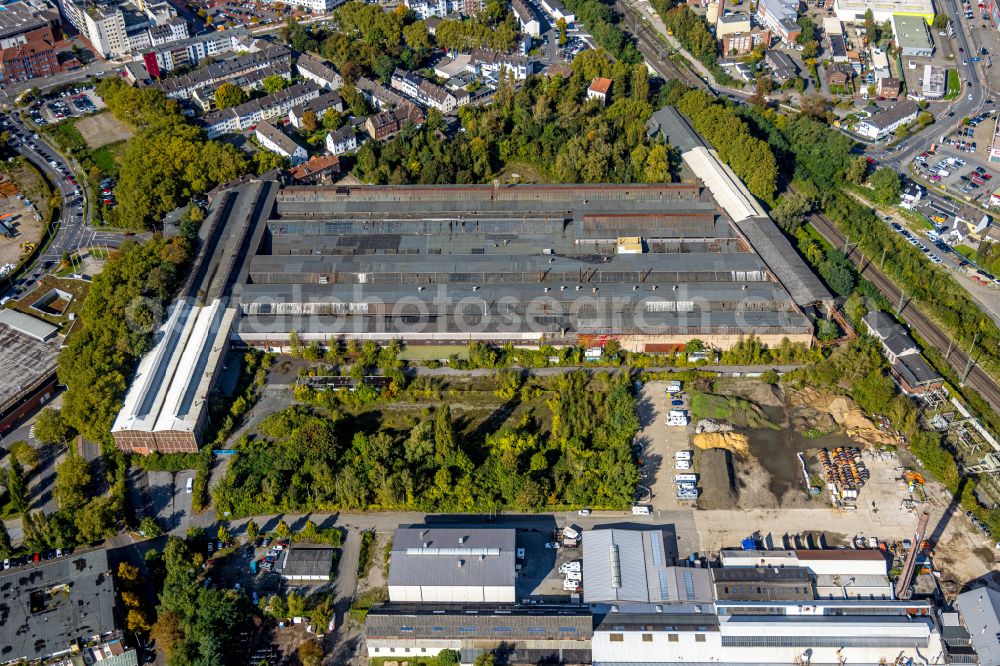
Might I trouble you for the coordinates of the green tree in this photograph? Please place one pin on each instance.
(150, 527)
(253, 531)
(23, 453)
(17, 487)
(310, 653)
(50, 428)
(73, 479)
(274, 83)
(562, 27)
(281, 530)
(770, 377)
(886, 186)
(309, 121)
(229, 95)
(485, 659)
(417, 36)
(264, 161)
(5, 545)
(98, 519)
(857, 170)
(224, 535)
(694, 345)
(940, 21)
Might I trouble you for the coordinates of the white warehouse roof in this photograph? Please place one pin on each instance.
(727, 189)
(172, 381)
(449, 559)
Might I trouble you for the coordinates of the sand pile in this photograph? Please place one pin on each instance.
(734, 442)
(844, 413)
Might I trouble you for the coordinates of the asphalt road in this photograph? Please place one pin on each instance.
(74, 231)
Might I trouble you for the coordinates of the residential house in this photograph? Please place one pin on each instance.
(319, 170)
(907, 367)
(183, 87)
(253, 80)
(970, 224)
(319, 106)
(384, 125)
(527, 17)
(378, 95)
(423, 91)
(492, 64)
(193, 50)
(911, 195)
(887, 121)
(342, 141)
(600, 89)
(888, 88)
(276, 141)
(839, 74)
(782, 66)
(319, 72)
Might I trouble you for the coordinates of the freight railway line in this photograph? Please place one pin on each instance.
(653, 51)
(977, 378)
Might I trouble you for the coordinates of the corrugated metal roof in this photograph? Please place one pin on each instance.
(452, 556)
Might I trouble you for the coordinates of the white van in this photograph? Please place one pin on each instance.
(674, 386)
(682, 455)
(640, 511)
(190, 485)
(685, 478)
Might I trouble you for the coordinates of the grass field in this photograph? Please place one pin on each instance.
(108, 157)
(965, 251)
(954, 85)
(102, 129)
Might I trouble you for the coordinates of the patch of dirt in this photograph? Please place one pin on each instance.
(101, 129)
(753, 390)
(717, 479)
(809, 403)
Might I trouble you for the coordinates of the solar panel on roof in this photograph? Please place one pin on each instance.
(689, 585)
(657, 555)
(664, 588)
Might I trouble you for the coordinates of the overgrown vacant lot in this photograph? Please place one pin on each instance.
(479, 445)
(101, 129)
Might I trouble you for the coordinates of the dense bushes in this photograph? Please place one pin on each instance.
(305, 461)
(749, 157)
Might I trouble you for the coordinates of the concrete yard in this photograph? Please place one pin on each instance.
(779, 512)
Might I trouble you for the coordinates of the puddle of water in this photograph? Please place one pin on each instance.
(776, 449)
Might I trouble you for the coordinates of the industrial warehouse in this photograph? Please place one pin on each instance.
(641, 605)
(649, 265)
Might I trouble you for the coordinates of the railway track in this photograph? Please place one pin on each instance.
(925, 327)
(652, 51)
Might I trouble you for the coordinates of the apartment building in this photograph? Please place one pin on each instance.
(319, 106)
(34, 58)
(424, 92)
(272, 56)
(273, 139)
(342, 141)
(425, 9)
(117, 28)
(245, 116)
(493, 64)
(320, 72)
(193, 50)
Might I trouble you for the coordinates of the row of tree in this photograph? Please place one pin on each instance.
(122, 309)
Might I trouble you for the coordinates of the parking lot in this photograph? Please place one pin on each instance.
(68, 104)
(959, 168)
(659, 445)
